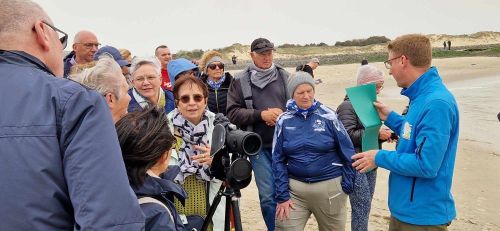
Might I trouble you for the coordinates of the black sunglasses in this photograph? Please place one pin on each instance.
(63, 39)
(213, 66)
(196, 97)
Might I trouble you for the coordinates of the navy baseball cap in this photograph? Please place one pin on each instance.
(115, 53)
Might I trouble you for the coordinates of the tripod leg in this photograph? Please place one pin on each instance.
(235, 201)
(213, 207)
(227, 219)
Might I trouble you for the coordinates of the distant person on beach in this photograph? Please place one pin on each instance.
(311, 161)
(164, 55)
(444, 45)
(256, 98)
(60, 161)
(364, 62)
(498, 116)
(216, 79)
(85, 45)
(364, 187)
(233, 59)
(449, 45)
(309, 67)
(422, 165)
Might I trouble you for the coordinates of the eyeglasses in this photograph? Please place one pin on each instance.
(388, 63)
(186, 98)
(90, 45)
(149, 78)
(213, 66)
(63, 39)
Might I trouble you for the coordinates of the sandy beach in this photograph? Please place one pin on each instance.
(475, 82)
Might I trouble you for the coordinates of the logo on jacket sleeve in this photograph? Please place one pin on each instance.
(319, 126)
(407, 131)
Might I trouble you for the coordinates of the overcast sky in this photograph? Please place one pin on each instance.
(189, 24)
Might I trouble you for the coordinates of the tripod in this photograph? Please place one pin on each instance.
(232, 201)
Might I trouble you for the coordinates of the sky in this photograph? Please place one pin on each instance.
(141, 26)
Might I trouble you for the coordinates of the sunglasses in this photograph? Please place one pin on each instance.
(63, 39)
(196, 97)
(213, 66)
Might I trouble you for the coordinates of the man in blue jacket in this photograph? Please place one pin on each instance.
(422, 165)
(60, 161)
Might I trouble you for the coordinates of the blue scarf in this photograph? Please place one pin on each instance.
(216, 84)
(292, 107)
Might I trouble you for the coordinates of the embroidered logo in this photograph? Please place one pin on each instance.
(319, 126)
(407, 131)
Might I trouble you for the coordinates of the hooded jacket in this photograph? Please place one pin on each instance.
(61, 166)
(164, 190)
(310, 147)
(422, 165)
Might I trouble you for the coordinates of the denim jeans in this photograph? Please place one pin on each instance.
(261, 165)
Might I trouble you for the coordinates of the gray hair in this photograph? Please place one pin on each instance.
(369, 74)
(17, 18)
(138, 62)
(103, 77)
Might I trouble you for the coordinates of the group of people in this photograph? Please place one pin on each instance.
(126, 145)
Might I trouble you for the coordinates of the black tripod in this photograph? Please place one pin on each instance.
(232, 201)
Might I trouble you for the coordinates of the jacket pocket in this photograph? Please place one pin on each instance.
(417, 152)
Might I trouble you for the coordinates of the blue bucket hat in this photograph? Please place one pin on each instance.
(115, 53)
(177, 66)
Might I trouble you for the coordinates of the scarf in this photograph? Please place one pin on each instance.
(190, 135)
(143, 102)
(292, 106)
(216, 84)
(262, 77)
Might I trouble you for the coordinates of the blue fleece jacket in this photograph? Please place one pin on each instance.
(422, 165)
(311, 146)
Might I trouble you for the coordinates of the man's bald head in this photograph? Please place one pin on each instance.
(85, 46)
(24, 26)
(17, 18)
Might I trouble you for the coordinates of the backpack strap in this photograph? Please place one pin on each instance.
(146, 200)
(246, 89)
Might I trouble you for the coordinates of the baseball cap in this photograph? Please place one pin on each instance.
(260, 45)
(115, 53)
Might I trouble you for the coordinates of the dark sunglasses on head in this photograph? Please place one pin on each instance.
(186, 98)
(63, 39)
(213, 66)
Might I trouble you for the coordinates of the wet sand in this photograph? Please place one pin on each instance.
(475, 82)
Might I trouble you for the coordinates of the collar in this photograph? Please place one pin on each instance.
(21, 57)
(421, 83)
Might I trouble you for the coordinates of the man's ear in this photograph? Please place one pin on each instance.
(42, 35)
(110, 99)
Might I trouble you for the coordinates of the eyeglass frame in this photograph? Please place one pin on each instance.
(388, 63)
(212, 66)
(149, 78)
(63, 40)
(185, 99)
(90, 45)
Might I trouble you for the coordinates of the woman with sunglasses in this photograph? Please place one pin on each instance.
(216, 80)
(364, 186)
(192, 125)
(145, 76)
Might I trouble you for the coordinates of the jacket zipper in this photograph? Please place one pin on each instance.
(217, 101)
(419, 149)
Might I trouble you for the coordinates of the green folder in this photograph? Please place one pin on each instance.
(362, 98)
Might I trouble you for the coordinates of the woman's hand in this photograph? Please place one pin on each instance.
(204, 158)
(283, 209)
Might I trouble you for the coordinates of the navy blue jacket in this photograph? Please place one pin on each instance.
(169, 102)
(60, 161)
(157, 218)
(67, 63)
(311, 147)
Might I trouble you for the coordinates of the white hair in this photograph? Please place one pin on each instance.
(369, 74)
(103, 77)
(138, 62)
